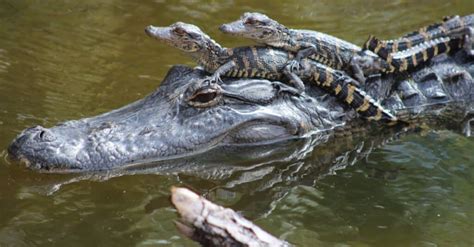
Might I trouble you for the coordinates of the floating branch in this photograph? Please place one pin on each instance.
(213, 225)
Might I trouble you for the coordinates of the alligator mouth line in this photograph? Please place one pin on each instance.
(43, 168)
(217, 142)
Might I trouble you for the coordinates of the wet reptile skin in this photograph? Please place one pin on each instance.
(165, 125)
(267, 63)
(341, 55)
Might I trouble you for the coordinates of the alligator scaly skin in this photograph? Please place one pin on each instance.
(451, 27)
(334, 52)
(323, 48)
(148, 135)
(267, 63)
(413, 57)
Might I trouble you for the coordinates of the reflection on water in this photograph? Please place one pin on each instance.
(67, 60)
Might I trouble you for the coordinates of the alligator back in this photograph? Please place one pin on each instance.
(332, 51)
(258, 62)
(432, 94)
(269, 63)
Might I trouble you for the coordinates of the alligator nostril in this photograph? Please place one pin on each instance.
(224, 28)
(45, 136)
(150, 30)
(41, 135)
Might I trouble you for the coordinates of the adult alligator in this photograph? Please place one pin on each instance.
(188, 115)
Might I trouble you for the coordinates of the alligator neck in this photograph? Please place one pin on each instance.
(286, 41)
(212, 56)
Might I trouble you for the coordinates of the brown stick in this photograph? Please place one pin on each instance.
(213, 225)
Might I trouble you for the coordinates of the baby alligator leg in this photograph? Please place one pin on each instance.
(222, 70)
(295, 64)
(309, 50)
(363, 65)
(293, 78)
(357, 71)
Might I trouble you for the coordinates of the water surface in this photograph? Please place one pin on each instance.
(62, 60)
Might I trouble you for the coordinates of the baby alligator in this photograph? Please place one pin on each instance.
(268, 63)
(332, 51)
(453, 27)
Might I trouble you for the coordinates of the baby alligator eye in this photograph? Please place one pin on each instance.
(179, 30)
(250, 21)
(204, 98)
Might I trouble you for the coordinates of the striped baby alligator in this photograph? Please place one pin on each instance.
(452, 26)
(337, 53)
(267, 63)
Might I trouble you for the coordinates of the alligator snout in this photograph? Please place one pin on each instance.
(40, 134)
(150, 30)
(225, 28)
(35, 136)
(231, 28)
(160, 33)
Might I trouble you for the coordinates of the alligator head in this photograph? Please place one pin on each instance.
(188, 38)
(184, 116)
(260, 28)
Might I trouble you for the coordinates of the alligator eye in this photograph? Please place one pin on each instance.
(204, 98)
(256, 22)
(179, 30)
(250, 21)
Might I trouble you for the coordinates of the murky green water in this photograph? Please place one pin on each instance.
(63, 60)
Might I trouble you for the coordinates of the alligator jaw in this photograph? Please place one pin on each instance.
(159, 33)
(233, 28)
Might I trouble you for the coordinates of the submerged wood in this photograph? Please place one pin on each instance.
(213, 225)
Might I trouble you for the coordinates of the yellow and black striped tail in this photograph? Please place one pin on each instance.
(365, 105)
(422, 53)
(377, 46)
(344, 88)
(383, 48)
(452, 26)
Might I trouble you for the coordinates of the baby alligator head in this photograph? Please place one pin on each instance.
(258, 27)
(186, 37)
